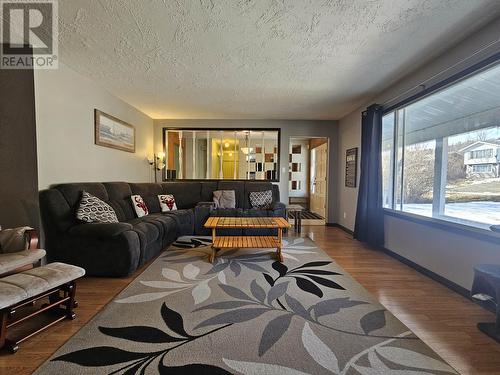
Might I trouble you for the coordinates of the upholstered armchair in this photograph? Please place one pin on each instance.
(19, 250)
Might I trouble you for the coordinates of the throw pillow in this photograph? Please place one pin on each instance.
(13, 240)
(225, 199)
(261, 199)
(167, 202)
(93, 210)
(140, 207)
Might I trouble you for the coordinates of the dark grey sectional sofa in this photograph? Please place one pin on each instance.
(117, 249)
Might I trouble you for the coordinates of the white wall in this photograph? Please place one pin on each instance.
(65, 103)
(289, 128)
(448, 254)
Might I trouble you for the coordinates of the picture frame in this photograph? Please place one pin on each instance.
(112, 132)
(351, 167)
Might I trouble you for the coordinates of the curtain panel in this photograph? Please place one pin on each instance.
(369, 226)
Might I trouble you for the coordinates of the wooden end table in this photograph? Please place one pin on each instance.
(226, 242)
(297, 215)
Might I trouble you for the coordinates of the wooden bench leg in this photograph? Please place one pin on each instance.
(70, 303)
(4, 314)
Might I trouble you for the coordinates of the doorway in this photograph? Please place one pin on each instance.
(308, 178)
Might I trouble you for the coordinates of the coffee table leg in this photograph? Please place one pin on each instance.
(278, 250)
(211, 257)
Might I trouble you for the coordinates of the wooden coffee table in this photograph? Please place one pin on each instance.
(225, 242)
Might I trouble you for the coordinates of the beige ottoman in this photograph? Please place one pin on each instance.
(55, 281)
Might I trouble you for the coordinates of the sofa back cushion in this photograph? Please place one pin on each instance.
(149, 192)
(186, 194)
(207, 190)
(73, 192)
(119, 198)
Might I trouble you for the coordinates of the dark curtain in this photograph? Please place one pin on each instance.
(369, 225)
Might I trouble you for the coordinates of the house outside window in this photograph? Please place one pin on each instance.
(482, 168)
(441, 153)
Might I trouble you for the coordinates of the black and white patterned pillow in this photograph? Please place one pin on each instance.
(261, 199)
(94, 210)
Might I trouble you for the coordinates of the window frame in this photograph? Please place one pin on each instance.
(463, 227)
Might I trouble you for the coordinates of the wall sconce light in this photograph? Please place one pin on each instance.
(226, 145)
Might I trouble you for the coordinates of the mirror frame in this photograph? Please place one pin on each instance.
(278, 162)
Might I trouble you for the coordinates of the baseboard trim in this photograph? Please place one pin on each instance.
(337, 225)
(430, 274)
(438, 278)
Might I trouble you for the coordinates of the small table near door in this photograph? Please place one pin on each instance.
(297, 215)
(225, 242)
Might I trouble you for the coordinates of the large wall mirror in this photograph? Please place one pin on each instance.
(221, 154)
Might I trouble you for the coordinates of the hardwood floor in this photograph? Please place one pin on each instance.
(445, 320)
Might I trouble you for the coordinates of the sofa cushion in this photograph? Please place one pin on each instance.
(11, 261)
(99, 230)
(169, 227)
(239, 190)
(20, 286)
(184, 220)
(119, 198)
(186, 194)
(149, 192)
(207, 190)
(93, 210)
(148, 231)
(73, 192)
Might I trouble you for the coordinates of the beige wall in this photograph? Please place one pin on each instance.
(445, 253)
(65, 103)
(289, 128)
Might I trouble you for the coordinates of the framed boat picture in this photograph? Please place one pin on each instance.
(114, 133)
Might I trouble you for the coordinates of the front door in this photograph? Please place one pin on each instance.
(319, 166)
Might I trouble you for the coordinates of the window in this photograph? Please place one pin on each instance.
(440, 154)
(481, 154)
(481, 168)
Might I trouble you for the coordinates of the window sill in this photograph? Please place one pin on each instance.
(478, 232)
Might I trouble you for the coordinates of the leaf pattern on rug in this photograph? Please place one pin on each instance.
(247, 298)
(319, 351)
(256, 368)
(200, 288)
(134, 361)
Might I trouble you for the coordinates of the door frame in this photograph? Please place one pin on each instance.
(298, 137)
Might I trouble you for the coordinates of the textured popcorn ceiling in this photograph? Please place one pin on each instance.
(287, 59)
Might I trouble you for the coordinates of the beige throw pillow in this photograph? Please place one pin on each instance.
(225, 199)
(13, 240)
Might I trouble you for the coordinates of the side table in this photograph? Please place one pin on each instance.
(297, 211)
(487, 283)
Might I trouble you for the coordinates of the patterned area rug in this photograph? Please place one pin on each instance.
(245, 314)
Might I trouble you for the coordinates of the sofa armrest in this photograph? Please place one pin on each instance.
(99, 229)
(278, 206)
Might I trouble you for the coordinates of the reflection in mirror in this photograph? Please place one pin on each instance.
(235, 154)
